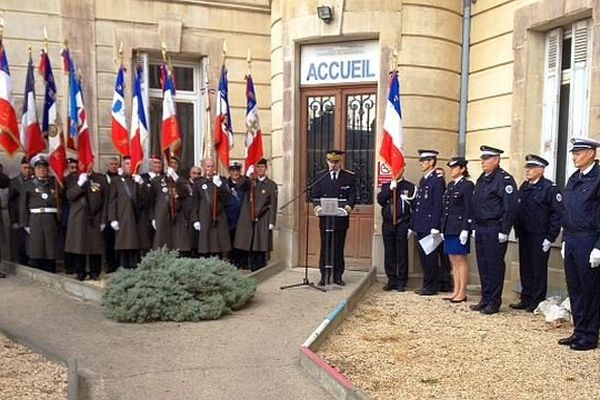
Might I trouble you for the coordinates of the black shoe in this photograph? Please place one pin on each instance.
(321, 283)
(388, 287)
(425, 292)
(339, 282)
(464, 299)
(80, 277)
(567, 341)
(583, 346)
(489, 310)
(519, 306)
(478, 307)
(531, 308)
(95, 277)
(402, 288)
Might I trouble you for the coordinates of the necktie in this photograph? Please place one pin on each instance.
(333, 176)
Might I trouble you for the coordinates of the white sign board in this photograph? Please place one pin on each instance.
(337, 63)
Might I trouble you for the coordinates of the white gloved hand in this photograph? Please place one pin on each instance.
(217, 180)
(434, 231)
(595, 258)
(15, 225)
(137, 179)
(404, 197)
(317, 210)
(271, 227)
(562, 250)
(154, 224)
(463, 237)
(502, 237)
(171, 172)
(393, 184)
(82, 179)
(410, 232)
(114, 225)
(546, 244)
(120, 171)
(197, 226)
(27, 229)
(473, 233)
(102, 226)
(250, 171)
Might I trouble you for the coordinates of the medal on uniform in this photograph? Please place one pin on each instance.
(45, 196)
(204, 186)
(165, 190)
(263, 191)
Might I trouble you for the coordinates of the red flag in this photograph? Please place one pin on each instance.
(253, 143)
(171, 136)
(223, 131)
(9, 127)
(31, 134)
(120, 136)
(391, 146)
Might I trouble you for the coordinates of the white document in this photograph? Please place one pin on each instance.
(430, 242)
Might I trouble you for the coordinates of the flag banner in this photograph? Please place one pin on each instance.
(9, 127)
(78, 127)
(120, 135)
(171, 135)
(31, 133)
(57, 155)
(391, 146)
(253, 142)
(138, 134)
(223, 130)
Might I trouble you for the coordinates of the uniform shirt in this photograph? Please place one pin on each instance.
(456, 215)
(427, 212)
(403, 208)
(494, 201)
(234, 204)
(582, 204)
(341, 188)
(539, 209)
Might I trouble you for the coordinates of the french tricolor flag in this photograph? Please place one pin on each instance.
(253, 142)
(120, 135)
(223, 130)
(31, 134)
(9, 127)
(391, 146)
(138, 135)
(171, 135)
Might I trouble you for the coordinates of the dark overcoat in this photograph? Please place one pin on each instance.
(255, 234)
(209, 209)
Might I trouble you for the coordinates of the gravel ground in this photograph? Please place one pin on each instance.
(401, 345)
(25, 375)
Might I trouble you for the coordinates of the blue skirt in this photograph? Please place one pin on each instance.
(453, 247)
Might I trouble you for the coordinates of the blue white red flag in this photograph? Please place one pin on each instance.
(223, 130)
(391, 146)
(253, 142)
(9, 127)
(31, 134)
(120, 135)
(138, 135)
(171, 135)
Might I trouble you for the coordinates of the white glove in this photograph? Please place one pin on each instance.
(82, 179)
(27, 229)
(114, 225)
(502, 237)
(342, 212)
(317, 210)
(393, 184)
(463, 237)
(154, 224)
(404, 197)
(197, 226)
(434, 231)
(562, 250)
(137, 179)
(473, 233)
(250, 171)
(410, 232)
(171, 172)
(102, 226)
(217, 180)
(595, 258)
(271, 226)
(546, 245)
(120, 171)
(15, 225)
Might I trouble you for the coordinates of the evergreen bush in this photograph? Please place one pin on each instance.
(167, 288)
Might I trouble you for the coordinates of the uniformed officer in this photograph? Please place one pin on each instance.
(208, 215)
(258, 216)
(456, 225)
(195, 174)
(87, 194)
(494, 207)
(338, 183)
(112, 172)
(395, 232)
(156, 166)
(4, 183)
(426, 218)
(539, 217)
(581, 246)
(237, 185)
(164, 195)
(14, 196)
(68, 258)
(39, 209)
(445, 268)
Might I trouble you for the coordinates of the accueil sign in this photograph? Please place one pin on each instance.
(337, 63)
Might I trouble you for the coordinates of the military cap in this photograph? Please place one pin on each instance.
(262, 161)
(427, 154)
(334, 155)
(235, 165)
(24, 160)
(71, 160)
(39, 160)
(457, 162)
(532, 160)
(489, 151)
(583, 143)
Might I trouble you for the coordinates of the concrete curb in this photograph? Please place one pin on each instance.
(326, 375)
(69, 363)
(265, 273)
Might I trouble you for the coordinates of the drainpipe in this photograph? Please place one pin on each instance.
(464, 78)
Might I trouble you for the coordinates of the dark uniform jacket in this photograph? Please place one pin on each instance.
(403, 208)
(456, 215)
(256, 236)
(234, 205)
(41, 195)
(539, 209)
(86, 213)
(167, 204)
(582, 205)
(209, 209)
(427, 212)
(126, 202)
(494, 201)
(14, 195)
(342, 189)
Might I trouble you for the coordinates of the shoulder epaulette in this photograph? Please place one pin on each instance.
(348, 171)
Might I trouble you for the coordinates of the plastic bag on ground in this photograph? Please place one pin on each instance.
(554, 309)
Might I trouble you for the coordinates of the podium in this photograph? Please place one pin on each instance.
(330, 209)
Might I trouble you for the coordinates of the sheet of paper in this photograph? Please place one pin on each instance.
(430, 242)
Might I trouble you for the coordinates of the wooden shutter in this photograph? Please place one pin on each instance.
(579, 102)
(550, 105)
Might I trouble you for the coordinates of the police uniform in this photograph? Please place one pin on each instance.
(395, 233)
(39, 209)
(337, 184)
(165, 195)
(14, 195)
(494, 206)
(237, 257)
(112, 263)
(539, 217)
(581, 250)
(426, 219)
(456, 215)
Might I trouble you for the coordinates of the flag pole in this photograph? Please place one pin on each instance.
(395, 191)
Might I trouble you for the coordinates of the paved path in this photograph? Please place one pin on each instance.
(249, 355)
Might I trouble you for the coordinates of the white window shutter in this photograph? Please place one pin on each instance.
(579, 103)
(550, 105)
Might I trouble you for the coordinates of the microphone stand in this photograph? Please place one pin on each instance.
(305, 280)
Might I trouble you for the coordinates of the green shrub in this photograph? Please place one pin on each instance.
(167, 288)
